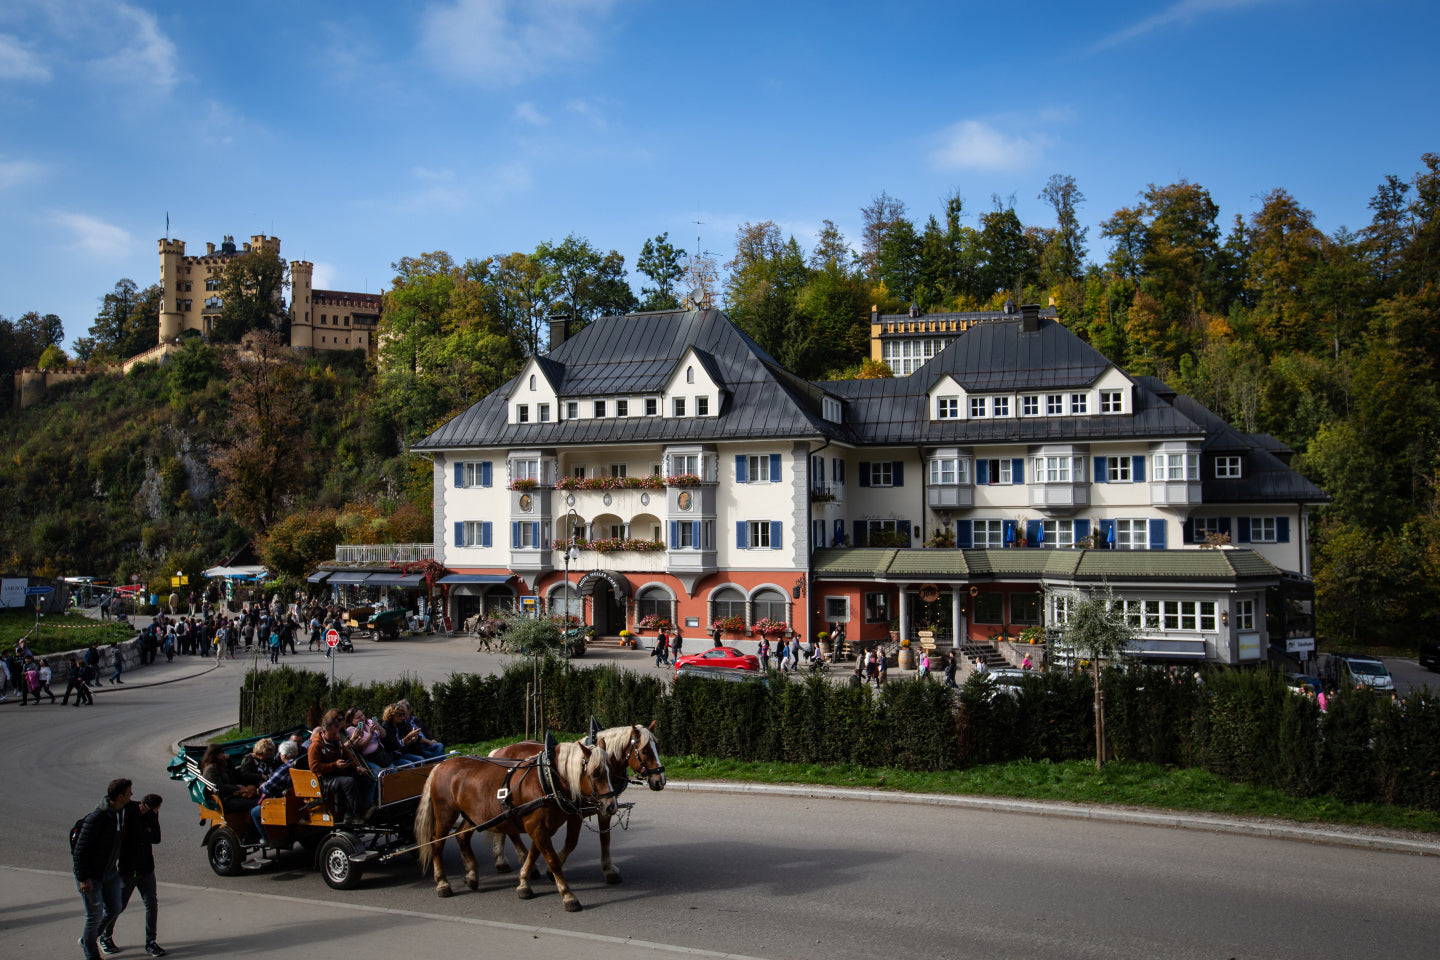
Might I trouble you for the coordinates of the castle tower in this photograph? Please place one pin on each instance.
(172, 256)
(302, 331)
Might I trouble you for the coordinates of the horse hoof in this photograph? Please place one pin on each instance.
(444, 891)
(473, 883)
(525, 893)
(502, 868)
(573, 906)
(613, 876)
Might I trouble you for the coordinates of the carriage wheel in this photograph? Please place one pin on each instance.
(340, 872)
(227, 856)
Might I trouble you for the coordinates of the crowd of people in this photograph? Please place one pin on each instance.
(274, 629)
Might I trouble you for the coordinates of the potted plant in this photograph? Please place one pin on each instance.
(769, 628)
(824, 639)
(734, 625)
(894, 629)
(627, 639)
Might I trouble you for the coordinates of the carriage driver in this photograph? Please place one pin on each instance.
(340, 775)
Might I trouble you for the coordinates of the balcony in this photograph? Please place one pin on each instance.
(1174, 493)
(383, 552)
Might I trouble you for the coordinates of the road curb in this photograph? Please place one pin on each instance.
(132, 685)
(1158, 818)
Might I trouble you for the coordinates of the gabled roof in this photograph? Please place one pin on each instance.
(635, 355)
(1263, 475)
(999, 356)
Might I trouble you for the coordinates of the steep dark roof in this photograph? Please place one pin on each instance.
(635, 355)
(1263, 475)
(999, 356)
(1226, 566)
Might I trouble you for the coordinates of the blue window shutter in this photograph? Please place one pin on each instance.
(459, 533)
(535, 534)
(486, 474)
(1082, 529)
(839, 533)
(695, 534)
(774, 468)
(485, 533)
(1244, 531)
(860, 533)
(904, 527)
(674, 534)
(1157, 534)
(838, 471)
(1017, 470)
(1282, 529)
(1137, 470)
(897, 474)
(459, 474)
(1224, 524)
(1032, 532)
(864, 473)
(740, 468)
(1107, 534)
(515, 535)
(1187, 531)
(820, 469)
(1102, 475)
(963, 534)
(776, 535)
(1008, 536)
(741, 536)
(982, 471)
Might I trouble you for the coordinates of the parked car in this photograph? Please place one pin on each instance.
(1299, 683)
(721, 657)
(1430, 654)
(1358, 670)
(731, 674)
(1006, 681)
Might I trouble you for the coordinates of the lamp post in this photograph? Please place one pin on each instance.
(572, 552)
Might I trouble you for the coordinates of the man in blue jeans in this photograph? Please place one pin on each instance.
(97, 863)
(137, 871)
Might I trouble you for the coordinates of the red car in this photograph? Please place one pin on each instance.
(721, 657)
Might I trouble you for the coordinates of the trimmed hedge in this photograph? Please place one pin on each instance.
(1244, 726)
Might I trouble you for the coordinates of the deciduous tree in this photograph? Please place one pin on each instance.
(252, 294)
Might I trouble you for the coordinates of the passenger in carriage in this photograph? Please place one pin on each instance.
(411, 733)
(278, 783)
(366, 737)
(340, 775)
(259, 763)
(235, 797)
(400, 751)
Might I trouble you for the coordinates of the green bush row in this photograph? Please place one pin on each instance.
(1244, 726)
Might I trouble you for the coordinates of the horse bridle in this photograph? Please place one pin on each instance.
(645, 771)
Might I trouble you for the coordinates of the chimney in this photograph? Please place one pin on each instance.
(209, 249)
(559, 329)
(1029, 317)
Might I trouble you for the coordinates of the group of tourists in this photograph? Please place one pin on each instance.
(274, 628)
(30, 675)
(111, 850)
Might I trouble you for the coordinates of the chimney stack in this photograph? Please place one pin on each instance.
(559, 329)
(1029, 317)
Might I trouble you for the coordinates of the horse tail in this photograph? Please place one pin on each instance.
(425, 825)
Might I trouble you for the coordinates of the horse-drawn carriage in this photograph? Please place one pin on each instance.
(341, 847)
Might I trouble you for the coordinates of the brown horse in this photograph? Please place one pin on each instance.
(630, 751)
(471, 787)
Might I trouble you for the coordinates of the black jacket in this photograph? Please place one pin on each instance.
(97, 849)
(142, 831)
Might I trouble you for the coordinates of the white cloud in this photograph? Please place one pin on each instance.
(588, 110)
(146, 56)
(19, 63)
(977, 145)
(504, 42)
(1182, 12)
(324, 276)
(15, 172)
(529, 113)
(95, 236)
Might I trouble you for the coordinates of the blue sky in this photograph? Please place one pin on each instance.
(363, 132)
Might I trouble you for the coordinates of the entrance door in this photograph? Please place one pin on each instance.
(607, 609)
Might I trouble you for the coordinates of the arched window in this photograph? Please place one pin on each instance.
(689, 374)
(771, 603)
(532, 381)
(727, 601)
(654, 601)
(564, 599)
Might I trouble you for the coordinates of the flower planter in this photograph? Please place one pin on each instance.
(906, 659)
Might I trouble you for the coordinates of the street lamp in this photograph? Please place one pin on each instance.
(572, 552)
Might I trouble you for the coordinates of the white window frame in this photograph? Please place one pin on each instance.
(987, 534)
(1060, 604)
(1118, 469)
(677, 406)
(680, 463)
(947, 408)
(840, 612)
(1264, 530)
(652, 406)
(1000, 407)
(1202, 527)
(1245, 615)
(522, 413)
(472, 472)
(1079, 404)
(1054, 470)
(622, 408)
(572, 409)
(618, 470)
(979, 407)
(1059, 534)
(525, 470)
(1228, 468)
(1030, 405)
(599, 410)
(755, 465)
(542, 412)
(943, 472)
(1133, 535)
(702, 406)
(1055, 404)
(757, 535)
(1176, 467)
(882, 473)
(1112, 401)
(473, 532)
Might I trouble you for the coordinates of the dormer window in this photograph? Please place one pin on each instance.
(1054, 405)
(1079, 403)
(978, 407)
(599, 409)
(702, 406)
(678, 406)
(543, 412)
(831, 408)
(522, 413)
(622, 408)
(1112, 401)
(1030, 405)
(1227, 468)
(652, 407)
(572, 410)
(947, 408)
(1001, 406)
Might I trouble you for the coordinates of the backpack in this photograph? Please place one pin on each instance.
(75, 834)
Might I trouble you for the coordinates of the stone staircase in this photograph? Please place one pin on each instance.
(969, 651)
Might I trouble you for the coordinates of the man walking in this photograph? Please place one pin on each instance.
(96, 857)
(137, 870)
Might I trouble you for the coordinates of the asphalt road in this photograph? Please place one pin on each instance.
(706, 874)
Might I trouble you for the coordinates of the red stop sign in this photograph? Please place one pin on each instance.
(332, 637)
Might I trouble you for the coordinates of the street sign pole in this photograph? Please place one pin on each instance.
(332, 640)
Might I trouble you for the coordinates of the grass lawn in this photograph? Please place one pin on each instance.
(72, 631)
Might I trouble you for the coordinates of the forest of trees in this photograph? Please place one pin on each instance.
(1330, 342)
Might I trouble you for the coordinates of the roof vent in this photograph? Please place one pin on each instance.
(1009, 305)
(914, 309)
